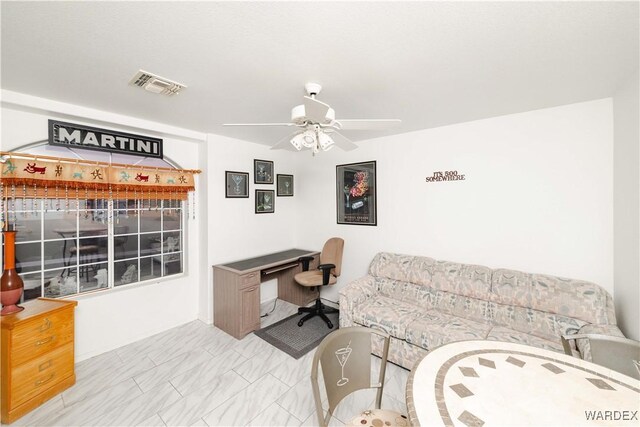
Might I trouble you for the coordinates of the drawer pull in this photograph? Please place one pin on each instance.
(45, 365)
(46, 326)
(49, 378)
(46, 340)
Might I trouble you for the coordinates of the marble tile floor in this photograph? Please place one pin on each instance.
(197, 375)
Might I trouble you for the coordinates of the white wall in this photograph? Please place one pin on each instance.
(626, 180)
(204, 283)
(538, 195)
(110, 319)
(235, 230)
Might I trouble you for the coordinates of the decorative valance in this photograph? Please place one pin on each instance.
(26, 175)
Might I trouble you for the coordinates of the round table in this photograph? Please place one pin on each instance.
(472, 383)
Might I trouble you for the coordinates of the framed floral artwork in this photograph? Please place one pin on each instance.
(236, 184)
(356, 193)
(265, 201)
(284, 185)
(262, 171)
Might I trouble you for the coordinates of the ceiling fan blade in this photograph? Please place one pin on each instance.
(315, 110)
(342, 141)
(284, 144)
(368, 124)
(258, 124)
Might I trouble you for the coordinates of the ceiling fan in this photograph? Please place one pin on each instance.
(317, 127)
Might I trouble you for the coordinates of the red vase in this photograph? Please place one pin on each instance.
(11, 285)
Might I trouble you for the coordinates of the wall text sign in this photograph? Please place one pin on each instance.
(445, 176)
(79, 136)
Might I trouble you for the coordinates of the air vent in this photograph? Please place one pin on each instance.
(156, 84)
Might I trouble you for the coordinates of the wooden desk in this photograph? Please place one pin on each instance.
(236, 288)
(471, 383)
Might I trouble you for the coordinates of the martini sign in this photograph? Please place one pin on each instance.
(71, 135)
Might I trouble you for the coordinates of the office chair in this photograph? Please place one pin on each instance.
(326, 274)
(345, 358)
(616, 353)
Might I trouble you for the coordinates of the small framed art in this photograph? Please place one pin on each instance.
(356, 193)
(236, 184)
(262, 171)
(284, 185)
(265, 202)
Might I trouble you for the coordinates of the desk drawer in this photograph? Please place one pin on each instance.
(41, 373)
(40, 336)
(250, 279)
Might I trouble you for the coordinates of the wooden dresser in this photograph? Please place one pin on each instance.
(37, 355)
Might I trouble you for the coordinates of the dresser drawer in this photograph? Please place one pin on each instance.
(250, 279)
(39, 374)
(34, 338)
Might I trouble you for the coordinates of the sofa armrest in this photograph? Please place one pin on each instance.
(611, 330)
(353, 294)
(583, 345)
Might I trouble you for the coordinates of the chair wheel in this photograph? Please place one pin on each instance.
(330, 325)
(300, 323)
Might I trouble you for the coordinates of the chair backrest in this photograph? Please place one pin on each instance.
(619, 354)
(332, 254)
(345, 358)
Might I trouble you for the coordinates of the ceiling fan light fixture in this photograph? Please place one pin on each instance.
(309, 138)
(296, 141)
(325, 141)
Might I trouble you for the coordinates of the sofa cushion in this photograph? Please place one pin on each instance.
(541, 324)
(462, 279)
(398, 289)
(435, 328)
(406, 268)
(386, 314)
(535, 322)
(421, 272)
(500, 333)
(573, 298)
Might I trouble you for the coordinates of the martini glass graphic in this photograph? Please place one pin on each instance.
(343, 355)
(237, 179)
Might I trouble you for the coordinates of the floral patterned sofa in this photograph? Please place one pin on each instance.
(423, 303)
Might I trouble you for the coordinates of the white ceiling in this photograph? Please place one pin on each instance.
(427, 63)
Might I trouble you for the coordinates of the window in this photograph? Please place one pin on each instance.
(147, 240)
(76, 246)
(92, 220)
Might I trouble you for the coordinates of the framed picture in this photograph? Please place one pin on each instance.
(236, 184)
(262, 171)
(284, 185)
(356, 193)
(265, 202)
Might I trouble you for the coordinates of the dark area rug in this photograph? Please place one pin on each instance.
(296, 340)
